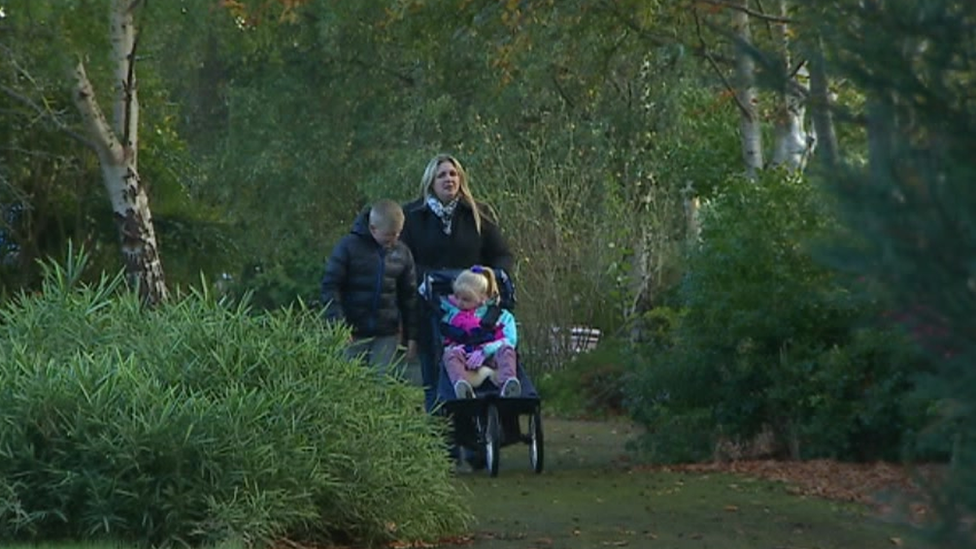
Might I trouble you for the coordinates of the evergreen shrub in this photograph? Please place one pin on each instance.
(772, 340)
(199, 422)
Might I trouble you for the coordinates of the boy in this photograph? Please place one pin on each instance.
(370, 283)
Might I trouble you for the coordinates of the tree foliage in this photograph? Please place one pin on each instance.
(51, 190)
(590, 127)
(912, 201)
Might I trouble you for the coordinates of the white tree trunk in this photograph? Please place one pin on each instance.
(116, 146)
(792, 145)
(749, 125)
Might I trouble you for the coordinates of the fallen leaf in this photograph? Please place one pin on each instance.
(895, 541)
(731, 508)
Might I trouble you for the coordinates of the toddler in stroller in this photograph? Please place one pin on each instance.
(481, 386)
(479, 336)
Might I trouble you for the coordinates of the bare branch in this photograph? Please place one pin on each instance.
(748, 11)
(46, 114)
(711, 61)
(767, 63)
(764, 14)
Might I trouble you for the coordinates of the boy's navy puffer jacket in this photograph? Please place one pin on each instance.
(369, 287)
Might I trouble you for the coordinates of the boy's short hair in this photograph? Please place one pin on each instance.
(386, 214)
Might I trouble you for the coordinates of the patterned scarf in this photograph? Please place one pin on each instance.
(443, 211)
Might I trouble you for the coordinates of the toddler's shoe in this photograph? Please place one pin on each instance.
(463, 389)
(512, 388)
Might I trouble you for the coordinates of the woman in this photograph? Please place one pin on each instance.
(447, 229)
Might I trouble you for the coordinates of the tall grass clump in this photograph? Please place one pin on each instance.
(199, 422)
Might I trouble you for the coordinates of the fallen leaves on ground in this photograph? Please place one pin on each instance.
(882, 486)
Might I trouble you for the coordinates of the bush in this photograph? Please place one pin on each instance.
(199, 422)
(857, 398)
(591, 384)
(772, 340)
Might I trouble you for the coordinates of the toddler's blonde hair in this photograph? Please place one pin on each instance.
(478, 280)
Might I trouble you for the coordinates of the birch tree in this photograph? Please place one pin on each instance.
(750, 127)
(116, 144)
(792, 145)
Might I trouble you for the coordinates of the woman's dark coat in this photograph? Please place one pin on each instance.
(433, 250)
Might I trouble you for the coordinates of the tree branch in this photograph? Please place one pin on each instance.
(632, 24)
(764, 60)
(103, 139)
(46, 114)
(747, 11)
(404, 78)
(711, 61)
(559, 88)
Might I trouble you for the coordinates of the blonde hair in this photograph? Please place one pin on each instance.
(464, 190)
(386, 214)
(479, 280)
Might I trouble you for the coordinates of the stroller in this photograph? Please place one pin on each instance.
(488, 422)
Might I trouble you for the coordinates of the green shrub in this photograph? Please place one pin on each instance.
(590, 385)
(857, 398)
(772, 340)
(199, 422)
(661, 397)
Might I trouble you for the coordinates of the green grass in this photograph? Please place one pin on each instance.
(588, 497)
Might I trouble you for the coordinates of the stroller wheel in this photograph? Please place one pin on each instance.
(492, 435)
(536, 453)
